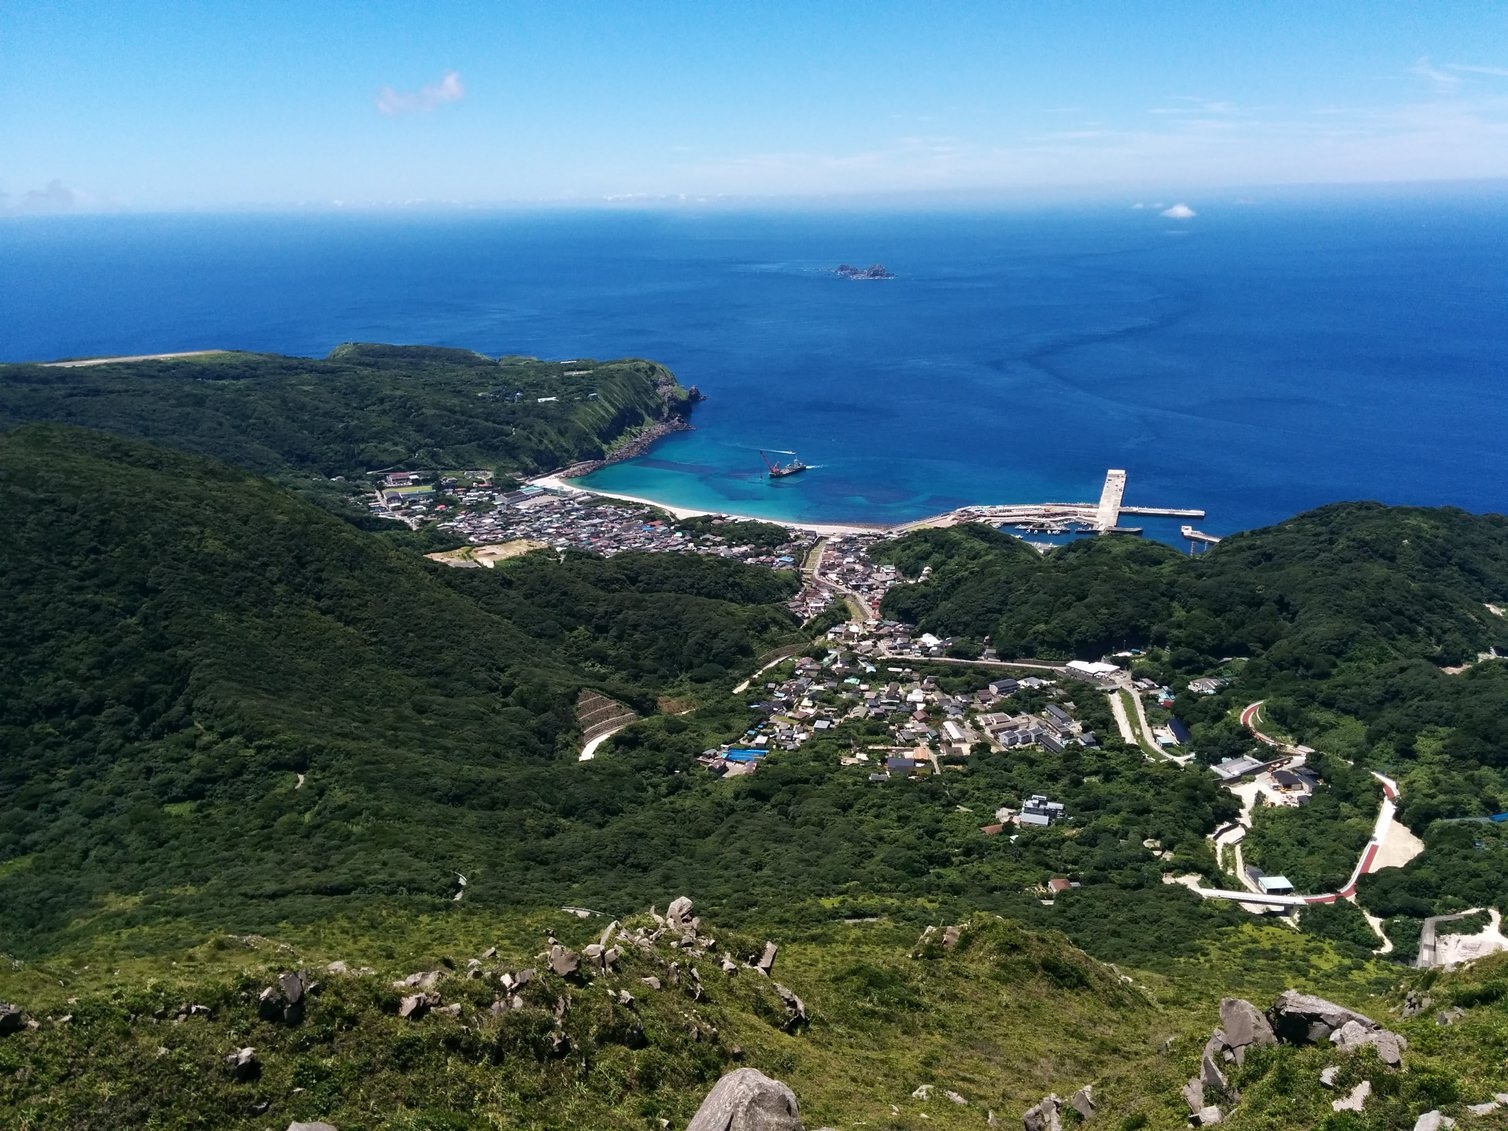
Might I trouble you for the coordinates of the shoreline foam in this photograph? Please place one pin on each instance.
(557, 483)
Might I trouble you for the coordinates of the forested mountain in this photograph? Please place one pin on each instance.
(182, 640)
(1351, 581)
(362, 408)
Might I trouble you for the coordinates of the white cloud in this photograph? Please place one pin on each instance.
(1467, 68)
(1179, 212)
(1443, 80)
(396, 102)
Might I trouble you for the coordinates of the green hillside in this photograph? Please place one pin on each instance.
(1362, 627)
(183, 640)
(362, 408)
(240, 735)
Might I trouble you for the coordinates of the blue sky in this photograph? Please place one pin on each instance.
(279, 103)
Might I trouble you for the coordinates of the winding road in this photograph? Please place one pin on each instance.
(1365, 864)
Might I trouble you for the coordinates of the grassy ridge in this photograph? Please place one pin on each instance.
(362, 408)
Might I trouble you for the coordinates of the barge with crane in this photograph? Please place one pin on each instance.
(780, 471)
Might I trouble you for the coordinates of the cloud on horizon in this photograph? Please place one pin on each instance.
(1179, 212)
(395, 103)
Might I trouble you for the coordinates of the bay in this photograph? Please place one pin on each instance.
(1262, 358)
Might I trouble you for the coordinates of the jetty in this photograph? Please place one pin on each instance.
(1103, 517)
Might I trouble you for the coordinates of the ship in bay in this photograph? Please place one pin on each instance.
(779, 470)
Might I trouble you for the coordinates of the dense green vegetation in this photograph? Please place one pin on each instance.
(182, 640)
(362, 408)
(240, 733)
(1348, 618)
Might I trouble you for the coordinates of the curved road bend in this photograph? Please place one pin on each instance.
(1364, 864)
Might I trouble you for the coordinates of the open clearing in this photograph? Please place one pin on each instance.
(470, 557)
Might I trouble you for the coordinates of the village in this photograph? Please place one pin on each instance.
(498, 522)
(871, 670)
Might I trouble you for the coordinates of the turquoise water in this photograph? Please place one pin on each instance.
(1258, 360)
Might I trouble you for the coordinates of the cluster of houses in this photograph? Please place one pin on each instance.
(925, 722)
(847, 565)
(484, 514)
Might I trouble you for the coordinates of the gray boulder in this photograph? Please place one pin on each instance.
(1206, 1116)
(1415, 1003)
(318, 1126)
(747, 1100)
(1356, 1101)
(1210, 1075)
(678, 914)
(424, 980)
(415, 1006)
(766, 961)
(1044, 1117)
(243, 1065)
(1450, 1016)
(1303, 1019)
(11, 1018)
(1389, 1045)
(1082, 1101)
(283, 1001)
(1433, 1121)
(1193, 1095)
(564, 961)
(795, 1008)
(1244, 1025)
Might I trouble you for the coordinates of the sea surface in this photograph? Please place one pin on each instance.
(1267, 356)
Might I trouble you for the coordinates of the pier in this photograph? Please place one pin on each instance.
(1198, 539)
(1198, 536)
(1055, 518)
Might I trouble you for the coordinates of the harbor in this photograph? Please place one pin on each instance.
(1051, 518)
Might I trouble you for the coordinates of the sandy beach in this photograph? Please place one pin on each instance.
(85, 361)
(556, 483)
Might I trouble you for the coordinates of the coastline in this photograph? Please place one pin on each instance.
(557, 481)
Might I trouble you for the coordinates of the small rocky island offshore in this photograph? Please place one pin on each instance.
(873, 271)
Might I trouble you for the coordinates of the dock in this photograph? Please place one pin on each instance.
(1165, 512)
(1102, 517)
(1198, 536)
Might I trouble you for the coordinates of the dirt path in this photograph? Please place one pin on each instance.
(589, 751)
(1122, 723)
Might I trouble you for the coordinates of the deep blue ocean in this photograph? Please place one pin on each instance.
(1255, 361)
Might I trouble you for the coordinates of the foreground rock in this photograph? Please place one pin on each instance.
(243, 1065)
(1302, 1019)
(747, 1100)
(1388, 1045)
(1083, 1101)
(283, 1001)
(11, 1018)
(1044, 1117)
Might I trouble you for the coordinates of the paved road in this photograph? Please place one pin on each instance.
(1365, 863)
(1427, 941)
